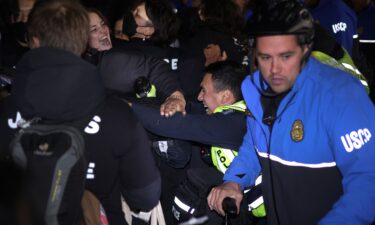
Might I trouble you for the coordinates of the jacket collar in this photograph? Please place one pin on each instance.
(252, 96)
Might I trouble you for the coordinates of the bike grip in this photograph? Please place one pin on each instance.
(229, 206)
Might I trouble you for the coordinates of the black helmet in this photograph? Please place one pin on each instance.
(282, 17)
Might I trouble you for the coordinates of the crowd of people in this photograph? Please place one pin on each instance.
(217, 111)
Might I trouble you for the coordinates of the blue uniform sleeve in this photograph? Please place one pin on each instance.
(245, 167)
(339, 19)
(218, 129)
(350, 124)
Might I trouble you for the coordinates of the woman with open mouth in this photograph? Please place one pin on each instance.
(100, 38)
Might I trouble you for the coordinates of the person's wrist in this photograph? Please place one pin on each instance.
(177, 96)
(234, 185)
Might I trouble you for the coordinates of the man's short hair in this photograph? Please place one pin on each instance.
(227, 75)
(300, 39)
(60, 24)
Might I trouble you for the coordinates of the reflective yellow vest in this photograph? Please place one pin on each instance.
(222, 157)
(345, 63)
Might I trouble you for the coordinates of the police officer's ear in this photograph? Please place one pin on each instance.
(307, 47)
(34, 42)
(226, 97)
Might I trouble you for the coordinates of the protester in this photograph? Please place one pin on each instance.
(55, 84)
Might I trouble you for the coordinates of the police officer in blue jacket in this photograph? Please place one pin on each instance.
(310, 133)
(365, 10)
(337, 18)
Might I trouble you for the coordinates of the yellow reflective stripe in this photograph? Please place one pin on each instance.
(260, 211)
(320, 56)
(256, 206)
(239, 106)
(151, 93)
(347, 58)
(345, 63)
(222, 157)
(358, 74)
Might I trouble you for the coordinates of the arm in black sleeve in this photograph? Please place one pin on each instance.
(119, 70)
(217, 129)
(160, 74)
(140, 177)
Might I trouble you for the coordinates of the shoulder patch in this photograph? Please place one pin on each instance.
(356, 139)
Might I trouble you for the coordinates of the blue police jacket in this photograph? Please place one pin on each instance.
(318, 161)
(337, 18)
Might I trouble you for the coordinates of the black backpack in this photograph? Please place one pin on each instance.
(52, 158)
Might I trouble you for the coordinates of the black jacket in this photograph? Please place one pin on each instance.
(61, 87)
(188, 70)
(205, 35)
(168, 54)
(119, 69)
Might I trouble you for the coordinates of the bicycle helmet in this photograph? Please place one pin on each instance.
(282, 17)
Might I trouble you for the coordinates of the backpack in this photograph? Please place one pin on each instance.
(51, 156)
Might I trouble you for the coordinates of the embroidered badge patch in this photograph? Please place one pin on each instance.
(297, 132)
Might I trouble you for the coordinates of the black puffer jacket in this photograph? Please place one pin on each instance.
(119, 69)
(187, 69)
